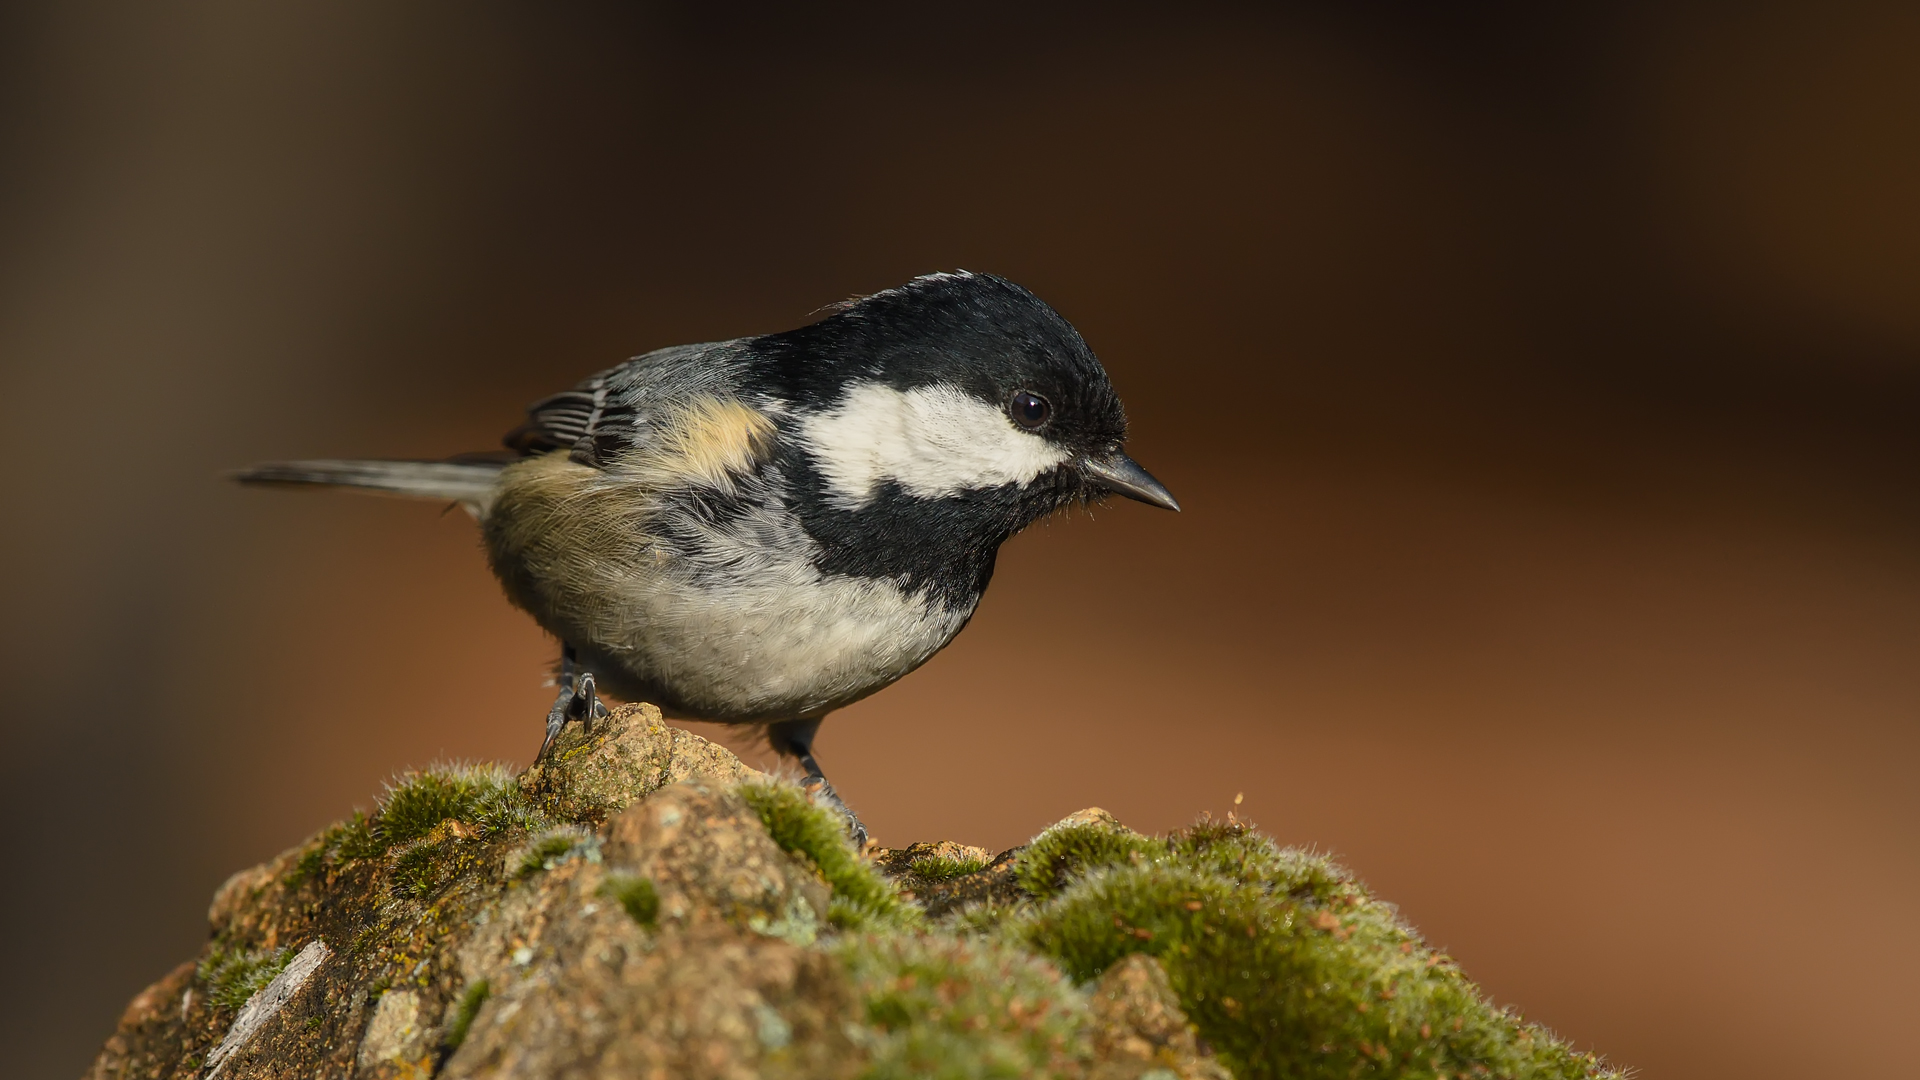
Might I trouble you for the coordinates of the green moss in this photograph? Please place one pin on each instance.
(485, 799)
(475, 996)
(980, 920)
(1236, 852)
(945, 868)
(949, 1008)
(1058, 854)
(346, 840)
(861, 896)
(482, 796)
(636, 895)
(549, 849)
(232, 975)
(415, 871)
(1284, 962)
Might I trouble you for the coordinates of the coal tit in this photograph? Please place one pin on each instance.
(763, 530)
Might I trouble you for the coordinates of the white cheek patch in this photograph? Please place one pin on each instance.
(934, 441)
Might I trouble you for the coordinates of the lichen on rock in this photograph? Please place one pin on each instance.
(644, 904)
(595, 772)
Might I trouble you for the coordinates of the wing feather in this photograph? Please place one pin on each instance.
(616, 411)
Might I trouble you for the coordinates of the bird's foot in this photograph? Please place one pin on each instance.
(822, 791)
(577, 700)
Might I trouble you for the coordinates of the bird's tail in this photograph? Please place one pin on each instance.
(469, 483)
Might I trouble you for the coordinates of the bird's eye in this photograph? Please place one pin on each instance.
(1029, 409)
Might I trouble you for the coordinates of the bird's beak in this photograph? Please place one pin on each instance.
(1122, 475)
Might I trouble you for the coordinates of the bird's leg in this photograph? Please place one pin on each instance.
(577, 700)
(795, 738)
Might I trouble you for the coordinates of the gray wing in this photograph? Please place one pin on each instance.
(611, 412)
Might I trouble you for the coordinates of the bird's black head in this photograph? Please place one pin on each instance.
(994, 341)
(947, 414)
(960, 382)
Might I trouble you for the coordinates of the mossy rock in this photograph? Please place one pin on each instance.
(646, 904)
(1284, 962)
(596, 771)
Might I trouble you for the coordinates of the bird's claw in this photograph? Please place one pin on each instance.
(585, 705)
(822, 791)
(578, 700)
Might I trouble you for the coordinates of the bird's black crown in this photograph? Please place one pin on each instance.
(978, 332)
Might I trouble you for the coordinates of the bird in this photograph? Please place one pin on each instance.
(763, 530)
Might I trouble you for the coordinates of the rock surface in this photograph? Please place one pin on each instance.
(647, 906)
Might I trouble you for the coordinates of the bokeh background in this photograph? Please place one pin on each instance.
(1542, 382)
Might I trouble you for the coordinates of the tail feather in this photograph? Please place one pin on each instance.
(470, 483)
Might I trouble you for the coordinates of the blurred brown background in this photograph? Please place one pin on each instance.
(1542, 381)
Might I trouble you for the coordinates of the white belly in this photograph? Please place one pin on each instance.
(720, 620)
(770, 646)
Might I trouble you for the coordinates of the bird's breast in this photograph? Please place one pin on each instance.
(715, 608)
(771, 649)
